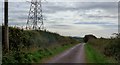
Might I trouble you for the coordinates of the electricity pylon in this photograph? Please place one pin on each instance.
(35, 17)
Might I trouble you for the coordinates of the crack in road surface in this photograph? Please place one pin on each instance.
(75, 54)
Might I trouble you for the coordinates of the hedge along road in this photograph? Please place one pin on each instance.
(75, 54)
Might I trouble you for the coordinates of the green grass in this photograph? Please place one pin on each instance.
(94, 56)
(35, 57)
(46, 53)
(28, 46)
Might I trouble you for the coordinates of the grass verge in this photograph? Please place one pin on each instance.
(94, 56)
(44, 54)
(36, 56)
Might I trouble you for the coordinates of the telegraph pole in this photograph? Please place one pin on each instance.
(6, 29)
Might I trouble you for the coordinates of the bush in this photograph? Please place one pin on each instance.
(24, 42)
(109, 47)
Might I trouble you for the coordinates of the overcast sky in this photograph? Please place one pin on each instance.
(71, 18)
(66, 0)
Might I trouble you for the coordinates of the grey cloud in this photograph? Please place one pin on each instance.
(98, 17)
(16, 23)
(79, 6)
(96, 23)
(60, 26)
(18, 12)
(18, 17)
(102, 24)
(53, 8)
(111, 26)
(103, 5)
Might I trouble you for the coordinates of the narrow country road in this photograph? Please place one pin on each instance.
(75, 54)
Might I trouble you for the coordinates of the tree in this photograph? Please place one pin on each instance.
(88, 37)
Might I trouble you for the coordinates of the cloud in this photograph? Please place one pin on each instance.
(97, 23)
(16, 22)
(61, 26)
(102, 24)
(79, 6)
(71, 18)
(92, 16)
(110, 26)
(66, 0)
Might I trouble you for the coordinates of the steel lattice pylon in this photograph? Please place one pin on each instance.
(35, 17)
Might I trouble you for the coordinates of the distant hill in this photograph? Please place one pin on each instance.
(80, 39)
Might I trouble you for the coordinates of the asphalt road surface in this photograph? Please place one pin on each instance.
(75, 54)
